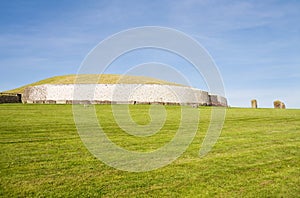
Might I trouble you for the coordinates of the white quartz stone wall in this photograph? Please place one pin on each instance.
(119, 93)
(222, 101)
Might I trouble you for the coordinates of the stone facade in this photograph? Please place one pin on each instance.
(10, 98)
(120, 94)
(215, 100)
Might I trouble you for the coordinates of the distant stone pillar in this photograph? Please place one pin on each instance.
(278, 104)
(254, 104)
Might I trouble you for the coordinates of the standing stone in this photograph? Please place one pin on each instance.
(254, 103)
(278, 104)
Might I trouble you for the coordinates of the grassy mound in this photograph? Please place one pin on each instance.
(95, 78)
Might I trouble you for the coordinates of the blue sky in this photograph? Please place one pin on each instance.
(255, 44)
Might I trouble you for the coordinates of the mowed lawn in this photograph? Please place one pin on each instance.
(42, 155)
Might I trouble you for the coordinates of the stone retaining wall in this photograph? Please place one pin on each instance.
(10, 98)
(120, 94)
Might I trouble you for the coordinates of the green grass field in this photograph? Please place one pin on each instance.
(42, 155)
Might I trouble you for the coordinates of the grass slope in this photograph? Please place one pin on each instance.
(41, 155)
(94, 78)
